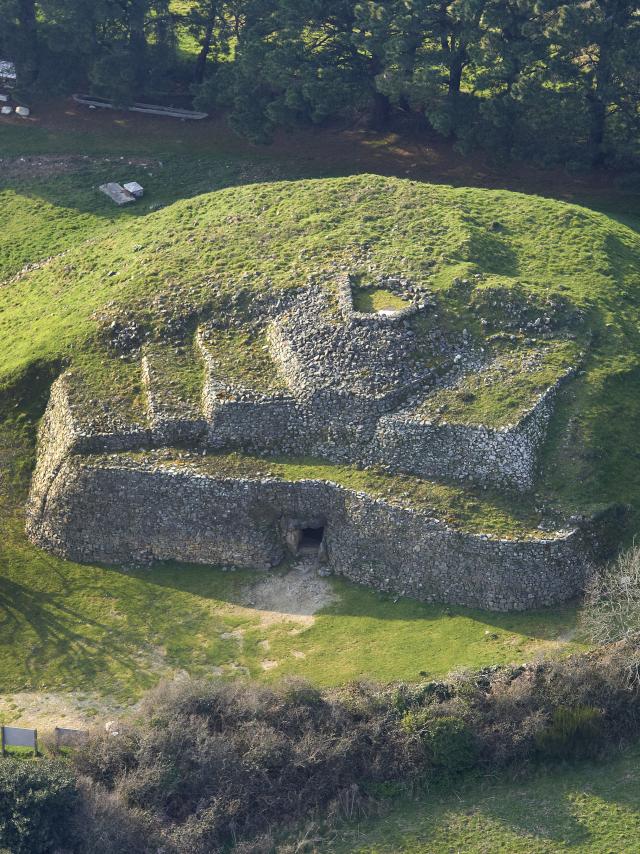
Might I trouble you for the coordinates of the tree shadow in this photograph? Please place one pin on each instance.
(541, 806)
(60, 633)
(537, 808)
(491, 250)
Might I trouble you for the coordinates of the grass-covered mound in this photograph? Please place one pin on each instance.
(521, 274)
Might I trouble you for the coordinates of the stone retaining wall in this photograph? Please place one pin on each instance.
(121, 510)
(504, 457)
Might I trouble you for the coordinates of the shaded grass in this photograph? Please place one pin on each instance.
(66, 626)
(591, 807)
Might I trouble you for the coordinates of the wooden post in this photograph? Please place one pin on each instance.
(35, 742)
(2, 739)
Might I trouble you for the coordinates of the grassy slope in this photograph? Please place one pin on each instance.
(291, 230)
(71, 625)
(590, 808)
(431, 233)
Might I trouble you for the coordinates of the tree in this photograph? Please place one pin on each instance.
(212, 24)
(611, 611)
(19, 37)
(299, 63)
(598, 47)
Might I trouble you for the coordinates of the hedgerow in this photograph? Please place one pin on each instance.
(217, 766)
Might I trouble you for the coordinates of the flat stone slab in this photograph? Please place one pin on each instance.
(117, 193)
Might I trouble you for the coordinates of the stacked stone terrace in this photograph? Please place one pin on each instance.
(346, 387)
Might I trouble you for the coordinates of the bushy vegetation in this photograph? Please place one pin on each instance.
(549, 81)
(447, 740)
(612, 602)
(573, 733)
(211, 766)
(38, 801)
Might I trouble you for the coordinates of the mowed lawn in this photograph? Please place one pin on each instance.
(591, 808)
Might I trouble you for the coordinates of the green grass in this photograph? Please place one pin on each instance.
(290, 230)
(242, 360)
(372, 636)
(502, 394)
(591, 808)
(372, 300)
(98, 376)
(178, 377)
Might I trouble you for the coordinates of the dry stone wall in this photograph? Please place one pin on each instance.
(117, 510)
(504, 457)
(350, 396)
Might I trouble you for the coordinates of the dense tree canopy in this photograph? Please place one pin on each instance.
(553, 80)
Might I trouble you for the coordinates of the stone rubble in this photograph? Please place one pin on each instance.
(351, 389)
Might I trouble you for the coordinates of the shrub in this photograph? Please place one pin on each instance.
(612, 602)
(37, 803)
(574, 733)
(407, 696)
(448, 742)
(104, 824)
(210, 766)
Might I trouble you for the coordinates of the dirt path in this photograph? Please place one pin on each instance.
(45, 710)
(47, 165)
(294, 597)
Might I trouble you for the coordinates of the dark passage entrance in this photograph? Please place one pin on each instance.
(311, 540)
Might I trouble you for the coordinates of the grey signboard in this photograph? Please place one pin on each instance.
(16, 736)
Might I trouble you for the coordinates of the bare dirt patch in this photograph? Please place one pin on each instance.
(45, 711)
(48, 165)
(293, 597)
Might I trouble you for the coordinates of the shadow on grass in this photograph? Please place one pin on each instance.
(537, 813)
(59, 632)
(355, 600)
(62, 127)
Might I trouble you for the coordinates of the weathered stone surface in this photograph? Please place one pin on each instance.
(350, 392)
(117, 510)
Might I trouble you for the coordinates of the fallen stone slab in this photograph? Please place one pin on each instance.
(135, 189)
(117, 193)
